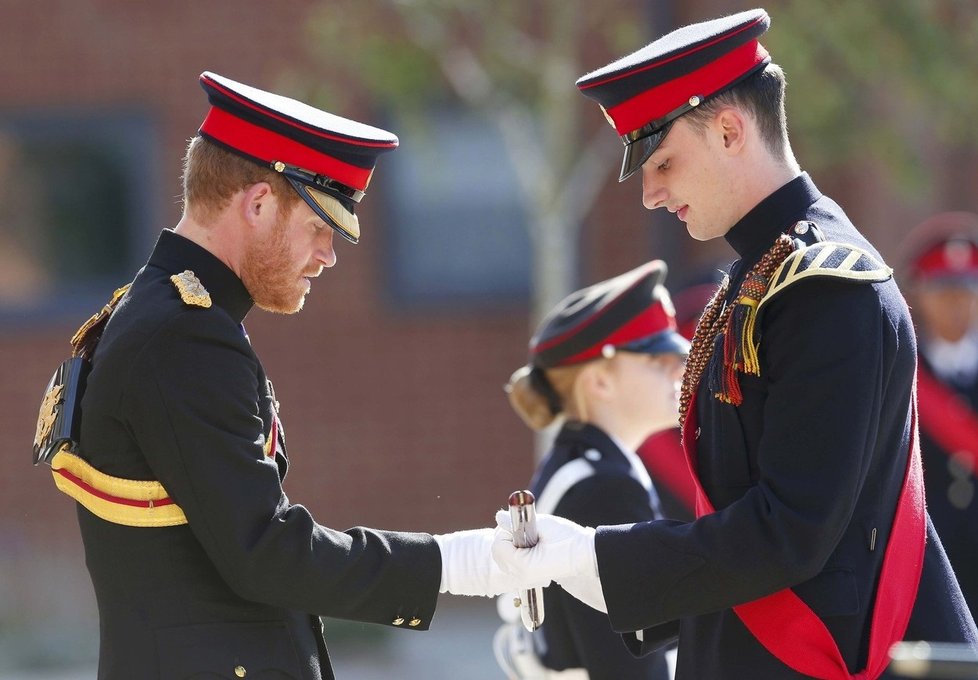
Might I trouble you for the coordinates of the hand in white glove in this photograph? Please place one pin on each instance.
(467, 567)
(564, 553)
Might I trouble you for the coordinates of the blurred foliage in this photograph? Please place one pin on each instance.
(511, 63)
(886, 79)
(410, 56)
(394, 47)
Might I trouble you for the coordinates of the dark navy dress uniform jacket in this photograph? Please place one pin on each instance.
(573, 634)
(801, 473)
(177, 395)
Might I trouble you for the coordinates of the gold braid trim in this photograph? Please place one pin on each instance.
(717, 318)
(85, 339)
(131, 502)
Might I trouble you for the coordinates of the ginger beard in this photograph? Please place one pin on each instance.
(270, 274)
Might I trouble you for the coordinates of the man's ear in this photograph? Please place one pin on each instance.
(257, 203)
(732, 125)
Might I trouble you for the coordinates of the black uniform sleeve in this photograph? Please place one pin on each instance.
(822, 363)
(191, 403)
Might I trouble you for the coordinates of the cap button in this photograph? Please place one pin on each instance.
(608, 351)
(279, 166)
(694, 100)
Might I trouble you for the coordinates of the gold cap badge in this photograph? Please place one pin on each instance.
(192, 292)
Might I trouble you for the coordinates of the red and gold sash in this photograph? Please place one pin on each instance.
(130, 502)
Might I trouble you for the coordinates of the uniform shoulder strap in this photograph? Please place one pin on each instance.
(561, 482)
(827, 258)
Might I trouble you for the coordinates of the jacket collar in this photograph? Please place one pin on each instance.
(174, 254)
(759, 228)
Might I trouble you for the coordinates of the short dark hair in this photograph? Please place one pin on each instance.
(762, 95)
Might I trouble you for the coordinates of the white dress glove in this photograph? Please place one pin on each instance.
(564, 553)
(467, 567)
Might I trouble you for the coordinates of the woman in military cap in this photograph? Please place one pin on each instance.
(606, 364)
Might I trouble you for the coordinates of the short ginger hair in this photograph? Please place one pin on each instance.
(212, 175)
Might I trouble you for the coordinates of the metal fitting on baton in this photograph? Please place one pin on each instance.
(524, 515)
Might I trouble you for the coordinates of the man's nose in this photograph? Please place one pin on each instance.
(653, 191)
(325, 254)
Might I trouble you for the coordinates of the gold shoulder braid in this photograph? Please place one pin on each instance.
(85, 339)
(191, 290)
(735, 324)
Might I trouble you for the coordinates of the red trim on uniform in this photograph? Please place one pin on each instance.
(269, 146)
(947, 418)
(355, 141)
(787, 627)
(663, 456)
(107, 497)
(659, 101)
(652, 320)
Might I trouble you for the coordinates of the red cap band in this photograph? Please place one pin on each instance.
(954, 258)
(268, 146)
(652, 320)
(658, 102)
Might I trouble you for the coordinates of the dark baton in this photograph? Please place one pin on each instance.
(524, 516)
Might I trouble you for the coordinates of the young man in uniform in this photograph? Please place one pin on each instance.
(201, 564)
(812, 552)
(941, 260)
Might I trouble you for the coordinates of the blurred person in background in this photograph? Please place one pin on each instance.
(605, 364)
(202, 567)
(941, 278)
(812, 553)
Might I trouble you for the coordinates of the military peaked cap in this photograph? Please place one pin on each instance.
(643, 93)
(944, 249)
(327, 159)
(631, 312)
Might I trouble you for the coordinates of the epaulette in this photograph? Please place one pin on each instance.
(829, 259)
(799, 253)
(191, 290)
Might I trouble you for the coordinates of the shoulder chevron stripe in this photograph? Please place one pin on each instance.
(837, 260)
